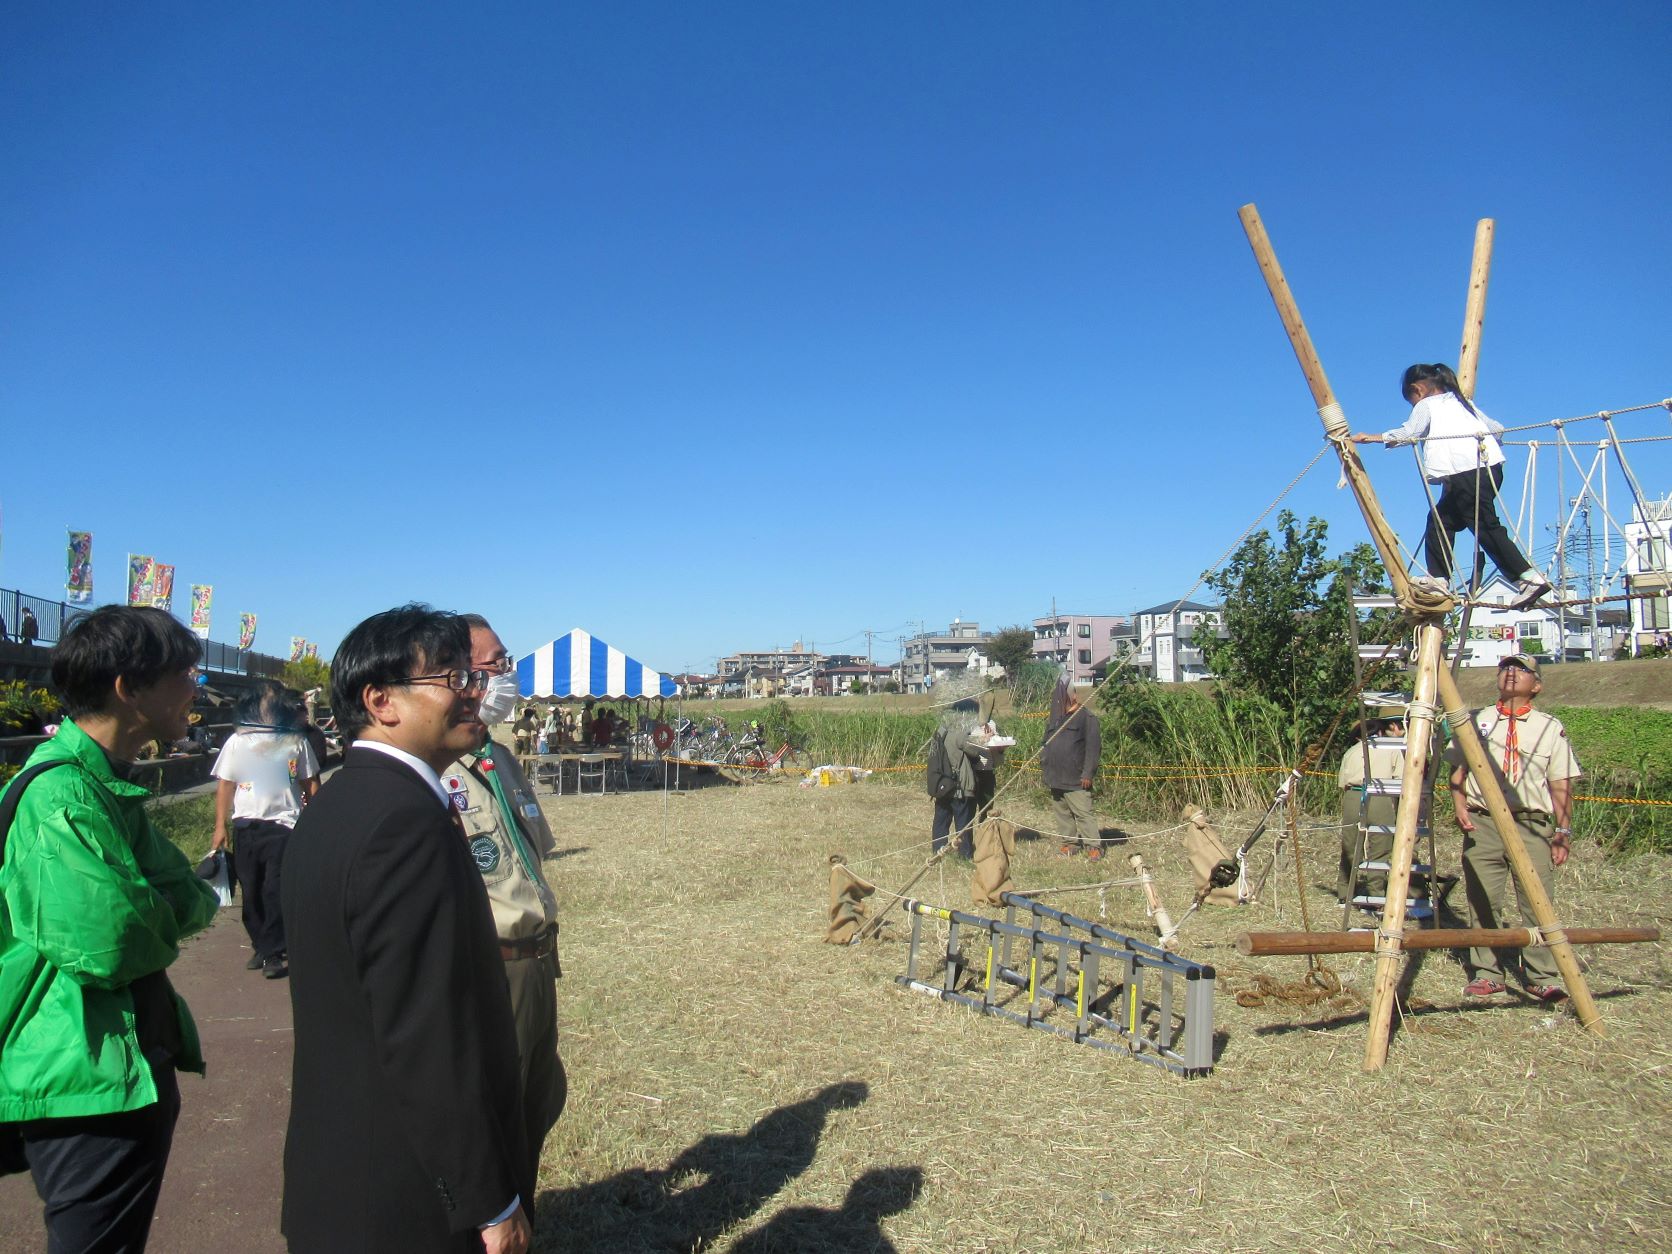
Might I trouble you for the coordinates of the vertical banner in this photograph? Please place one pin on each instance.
(246, 630)
(202, 595)
(78, 584)
(142, 573)
(162, 587)
(297, 644)
(313, 652)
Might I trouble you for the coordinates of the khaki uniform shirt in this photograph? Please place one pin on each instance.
(1386, 762)
(1546, 754)
(522, 901)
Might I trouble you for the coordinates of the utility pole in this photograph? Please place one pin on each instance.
(1561, 565)
(1591, 580)
(868, 634)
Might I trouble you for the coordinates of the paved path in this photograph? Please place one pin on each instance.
(222, 1187)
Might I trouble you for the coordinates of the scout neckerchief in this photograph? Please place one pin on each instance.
(485, 768)
(1512, 739)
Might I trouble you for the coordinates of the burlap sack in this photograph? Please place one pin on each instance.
(995, 843)
(847, 902)
(1206, 850)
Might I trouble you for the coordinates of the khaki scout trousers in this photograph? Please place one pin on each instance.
(1380, 812)
(1071, 809)
(545, 1086)
(1486, 881)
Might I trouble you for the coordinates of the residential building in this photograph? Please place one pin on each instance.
(1165, 646)
(1082, 643)
(933, 656)
(839, 681)
(769, 661)
(1496, 629)
(1647, 574)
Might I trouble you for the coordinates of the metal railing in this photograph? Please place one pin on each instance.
(48, 620)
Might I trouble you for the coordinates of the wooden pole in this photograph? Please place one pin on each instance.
(1390, 936)
(1335, 422)
(1163, 921)
(1468, 363)
(1293, 944)
(1532, 892)
(1474, 311)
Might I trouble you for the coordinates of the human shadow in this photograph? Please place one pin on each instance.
(710, 1186)
(855, 1227)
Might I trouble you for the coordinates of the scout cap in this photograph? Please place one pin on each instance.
(1526, 661)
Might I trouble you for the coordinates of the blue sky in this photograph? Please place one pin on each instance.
(709, 327)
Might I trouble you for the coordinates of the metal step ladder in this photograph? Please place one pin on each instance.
(1420, 908)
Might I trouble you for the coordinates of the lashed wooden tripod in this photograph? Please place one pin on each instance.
(1426, 607)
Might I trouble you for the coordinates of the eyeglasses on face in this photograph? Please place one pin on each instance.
(458, 680)
(504, 666)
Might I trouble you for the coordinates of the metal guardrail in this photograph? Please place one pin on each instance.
(53, 618)
(1123, 995)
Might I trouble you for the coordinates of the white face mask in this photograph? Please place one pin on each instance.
(499, 699)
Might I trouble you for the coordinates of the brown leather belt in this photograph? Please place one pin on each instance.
(536, 946)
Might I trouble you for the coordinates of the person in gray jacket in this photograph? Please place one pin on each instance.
(1068, 762)
(951, 778)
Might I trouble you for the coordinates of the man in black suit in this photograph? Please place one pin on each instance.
(405, 1119)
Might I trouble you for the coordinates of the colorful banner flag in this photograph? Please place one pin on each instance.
(162, 587)
(246, 630)
(202, 595)
(78, 585)
(142, 573)
(313, 652)
(297, 644)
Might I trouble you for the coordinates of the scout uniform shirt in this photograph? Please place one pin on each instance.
(508, 856)
(1386, 762)
(1542, 752)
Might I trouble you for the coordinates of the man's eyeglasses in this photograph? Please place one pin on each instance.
(504, 666)
(458, 680)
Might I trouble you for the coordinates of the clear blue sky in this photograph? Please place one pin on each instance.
(709, 327)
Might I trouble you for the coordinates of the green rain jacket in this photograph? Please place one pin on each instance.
(92, 898)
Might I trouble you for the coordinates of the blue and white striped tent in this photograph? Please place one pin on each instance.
(581, 665)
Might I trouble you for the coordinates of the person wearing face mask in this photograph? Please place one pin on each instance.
(508, 838)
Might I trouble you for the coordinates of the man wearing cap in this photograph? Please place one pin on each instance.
(508, 837)
(1533, 761)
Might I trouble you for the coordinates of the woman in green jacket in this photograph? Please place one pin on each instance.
(93, 906)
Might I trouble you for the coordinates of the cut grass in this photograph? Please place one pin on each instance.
(736, 1083)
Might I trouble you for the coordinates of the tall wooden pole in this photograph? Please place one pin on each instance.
(1427, 610)
(1474, 310)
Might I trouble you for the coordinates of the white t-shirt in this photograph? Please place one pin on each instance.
(268, 768)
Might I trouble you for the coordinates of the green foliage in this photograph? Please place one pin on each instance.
(859, 688)
(306, 673)
(1286, 618)
(1031, 687)
(1530, 646)
(189, 822)
(1012, 649)
(25, 710)
(1625, 752)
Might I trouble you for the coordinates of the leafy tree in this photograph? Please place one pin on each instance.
(1286, 621)
(859, 688)
(1011, 649)
(306, 673)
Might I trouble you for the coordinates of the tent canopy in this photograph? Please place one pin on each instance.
(581, 665)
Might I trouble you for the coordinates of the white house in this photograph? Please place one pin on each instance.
(1647, 570)
(1166, 645)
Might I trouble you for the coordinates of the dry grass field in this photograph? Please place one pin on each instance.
(738, 1084)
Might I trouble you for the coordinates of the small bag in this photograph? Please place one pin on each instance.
(215, 871)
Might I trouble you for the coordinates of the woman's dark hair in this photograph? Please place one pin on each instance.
(141, 645)
(413, 639)
(266, 704)
(1436, 372)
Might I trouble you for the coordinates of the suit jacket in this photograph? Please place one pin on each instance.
(405, 1117)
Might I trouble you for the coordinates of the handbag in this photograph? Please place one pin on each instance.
(216, 873)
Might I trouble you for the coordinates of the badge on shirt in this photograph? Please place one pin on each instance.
(457, 797)
(486, 854)
(530, 810)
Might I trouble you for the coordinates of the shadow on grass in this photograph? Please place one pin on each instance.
(1508, 1001)
(722, 1179)
(855, 1228)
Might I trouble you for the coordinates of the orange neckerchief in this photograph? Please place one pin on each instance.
(1512, 740)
